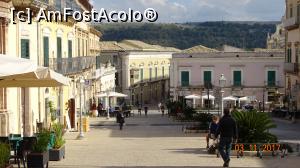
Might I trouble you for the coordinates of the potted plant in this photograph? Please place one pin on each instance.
(58, 150)
(40, 154)
(4, 156)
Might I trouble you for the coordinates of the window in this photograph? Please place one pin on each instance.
(150, 73)
(142, 74)
(271, 78)
(78, 41)
(70, 48)
(297, 54)
(185, 78)
(58, 5)
(46, 51)
(59, 54)
(25, 48)
(156, 71)
(59, 49)
(298, 12)
(163, 72)
(237, 78)
(207, 77)
(98, 62)
(289, 55)
(291, 11)
(117, 79)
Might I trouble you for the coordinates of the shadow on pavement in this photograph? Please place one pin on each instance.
(201, 151)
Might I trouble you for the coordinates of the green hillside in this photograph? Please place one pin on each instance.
(247, 35)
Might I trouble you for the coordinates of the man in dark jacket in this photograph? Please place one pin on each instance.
(228, 132)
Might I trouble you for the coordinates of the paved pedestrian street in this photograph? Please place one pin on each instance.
(153, 142)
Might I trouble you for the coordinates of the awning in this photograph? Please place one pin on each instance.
(244, 99)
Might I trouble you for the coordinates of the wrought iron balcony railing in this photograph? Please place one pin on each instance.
(74, 65)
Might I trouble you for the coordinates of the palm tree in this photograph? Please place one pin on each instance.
(254, 127)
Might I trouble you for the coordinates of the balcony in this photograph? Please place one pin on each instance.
(69, 66)
(291, 23)
(272, 84)
(33, 4)
(292, 68)
(237, 83)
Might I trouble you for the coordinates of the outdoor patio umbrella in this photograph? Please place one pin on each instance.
(41, 77)
(230, 98)
(211, 97)
(107, 95)
(18, 72)
(193, 97)
(10, 65)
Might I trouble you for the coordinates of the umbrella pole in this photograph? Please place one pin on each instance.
(107, 106)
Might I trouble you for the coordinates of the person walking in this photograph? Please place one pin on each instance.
(162, 108)
(120, 119)
(146, 111)
(228, 133)
(159, 106)
(213, 126)
(99, 109)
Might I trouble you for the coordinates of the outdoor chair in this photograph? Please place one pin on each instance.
(19, 156)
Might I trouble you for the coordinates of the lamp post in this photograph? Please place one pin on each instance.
(222, 82)
(81, 135)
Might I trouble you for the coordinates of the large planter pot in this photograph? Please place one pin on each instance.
(35, 160)
(57, 154)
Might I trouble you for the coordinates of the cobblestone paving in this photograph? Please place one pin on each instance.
(149, 142)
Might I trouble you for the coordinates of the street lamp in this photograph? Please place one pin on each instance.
(222, 82)
(81, 83)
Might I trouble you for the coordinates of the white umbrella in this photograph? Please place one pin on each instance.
(244, 99)
(210, 97)
(13, 65)
(107, 95)
(194, 97)
(230, 98)
(41, 77)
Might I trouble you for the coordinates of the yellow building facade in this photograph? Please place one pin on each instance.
(66, 47)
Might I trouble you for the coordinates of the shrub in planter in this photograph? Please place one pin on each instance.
(40, 154)
(204, 119)
(58, 151)
(4, 155)
(253, 127)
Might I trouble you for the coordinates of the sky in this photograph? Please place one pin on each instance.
(178, 11)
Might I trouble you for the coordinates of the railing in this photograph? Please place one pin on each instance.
(272, 83)
(237, 83)
(291, 67)
(74, 65)
(291, 23)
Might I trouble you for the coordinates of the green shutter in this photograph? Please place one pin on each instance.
(70, 48)
(271, 78)
(25, 48)
(59, 49)
(207, 76)
(46, 51)
(185, 78)
(142, 74)
(237, 78)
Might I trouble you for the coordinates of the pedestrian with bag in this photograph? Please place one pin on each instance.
(228, 133)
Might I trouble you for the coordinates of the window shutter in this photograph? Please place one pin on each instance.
(271, 78)
(46, 51)
(207, 76)
(237, 78)
(25, 49)
(185, 78)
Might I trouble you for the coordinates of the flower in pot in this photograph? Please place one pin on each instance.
(39, 157)
(4, 155)
(58, 151)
